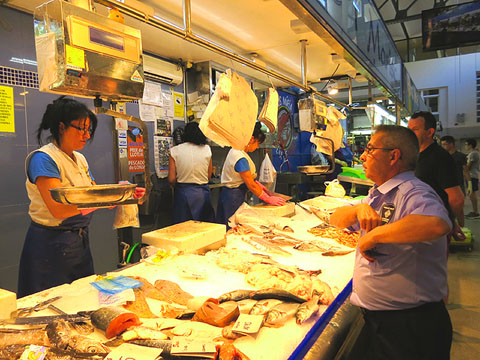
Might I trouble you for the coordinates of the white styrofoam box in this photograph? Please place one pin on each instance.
(8, 303)
(271, 210)
(189, 237)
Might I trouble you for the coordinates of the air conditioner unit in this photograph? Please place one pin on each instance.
(163, 71)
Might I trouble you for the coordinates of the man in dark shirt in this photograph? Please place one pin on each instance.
(436, 168)
(448, 143)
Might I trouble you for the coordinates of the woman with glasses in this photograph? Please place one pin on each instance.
(56, 248)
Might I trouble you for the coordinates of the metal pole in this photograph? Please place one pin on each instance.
(350, 91)
(187, 16)
(201, 41)
(303, 44)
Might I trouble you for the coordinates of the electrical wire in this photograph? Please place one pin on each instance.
(328, 82)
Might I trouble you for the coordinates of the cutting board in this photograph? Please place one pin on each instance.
(188, 237)
(270, 210)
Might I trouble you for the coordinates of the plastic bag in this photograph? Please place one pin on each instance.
(267, 171)
(334, 189)
(114, 285)
(126, 215)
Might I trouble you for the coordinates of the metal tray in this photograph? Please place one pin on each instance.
(313, 169)
(94, 196)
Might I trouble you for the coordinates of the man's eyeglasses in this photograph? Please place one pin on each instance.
(84, 130)
(369, 149)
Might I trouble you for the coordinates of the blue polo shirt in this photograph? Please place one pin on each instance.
(406, 275)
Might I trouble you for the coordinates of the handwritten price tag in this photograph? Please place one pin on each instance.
(248, 324)
(192, 347)
(134, 352)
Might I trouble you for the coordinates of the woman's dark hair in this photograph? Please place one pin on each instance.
(64, 110)
(193, 134)
(258, 133)
(471, 142)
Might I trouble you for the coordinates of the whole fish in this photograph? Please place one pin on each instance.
(337, 252)
(262, 245)
(307, 309)
(60, 336)
(279, 314)
(166, 346)
(276, 294)
(15, 351)
(246, 305)
(310, 247)
(23, 337)
(235, 295)
(263, 306)
(322, 288)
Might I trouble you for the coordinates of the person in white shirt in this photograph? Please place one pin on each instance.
(238, 175)
(190, 167)
(56, 249)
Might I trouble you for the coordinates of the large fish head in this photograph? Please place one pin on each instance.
(84, 344)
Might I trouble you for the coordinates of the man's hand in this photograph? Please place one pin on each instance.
(368, 218)
(456, 233)
(365, 243)
(469, 188)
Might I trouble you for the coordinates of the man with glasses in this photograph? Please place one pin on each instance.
(436, 167)
(400, 273)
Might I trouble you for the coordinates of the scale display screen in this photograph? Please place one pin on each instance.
(106, 39)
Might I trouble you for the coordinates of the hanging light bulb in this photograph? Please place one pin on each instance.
(332, 88)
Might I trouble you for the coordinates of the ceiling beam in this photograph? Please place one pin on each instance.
(380, 7)
(403, 19)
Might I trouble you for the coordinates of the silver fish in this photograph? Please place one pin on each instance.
(307, 309)
(235, 295)
(276, 294)
(246, 305)
(337, 252)
(263, 306)
(279, 314)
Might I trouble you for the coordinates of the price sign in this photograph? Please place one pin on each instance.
(248, 324)
(134, 352)
(192, 347)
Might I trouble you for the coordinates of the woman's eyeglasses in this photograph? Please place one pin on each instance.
(84, 130)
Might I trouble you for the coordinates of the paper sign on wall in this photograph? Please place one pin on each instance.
(7, 113)
(136, 160)
(178, 108)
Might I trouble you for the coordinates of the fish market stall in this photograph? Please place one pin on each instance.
(274, 270)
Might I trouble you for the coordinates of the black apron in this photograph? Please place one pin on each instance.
(55, 255)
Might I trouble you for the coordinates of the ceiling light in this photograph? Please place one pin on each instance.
(332, 89)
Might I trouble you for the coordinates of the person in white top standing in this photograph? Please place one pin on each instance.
(473, 166)
(56, 249)
(238, 175)
(190, 167)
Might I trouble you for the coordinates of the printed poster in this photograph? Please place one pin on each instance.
(136, 160)
(178, 106)
(163, 126)
(7, 113)
(161, 154)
